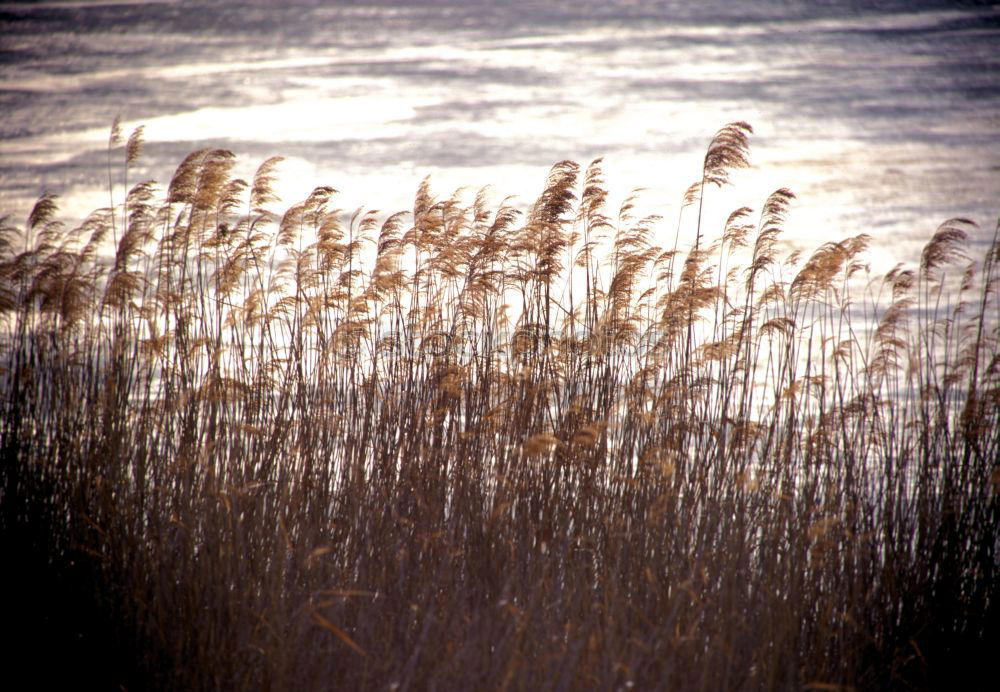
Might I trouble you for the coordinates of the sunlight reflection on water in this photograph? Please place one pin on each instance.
(882, 122)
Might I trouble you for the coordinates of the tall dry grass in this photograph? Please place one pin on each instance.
(485, 448)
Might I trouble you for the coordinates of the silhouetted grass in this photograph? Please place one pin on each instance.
(475, 448)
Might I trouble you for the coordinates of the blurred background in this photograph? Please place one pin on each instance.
(883, 117)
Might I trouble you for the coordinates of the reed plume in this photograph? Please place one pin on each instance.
(468, 446)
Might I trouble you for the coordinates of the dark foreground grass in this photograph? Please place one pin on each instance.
(476, 448)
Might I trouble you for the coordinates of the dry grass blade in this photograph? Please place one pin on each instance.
(338, 633)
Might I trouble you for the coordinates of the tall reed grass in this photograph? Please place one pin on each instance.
(491, 448)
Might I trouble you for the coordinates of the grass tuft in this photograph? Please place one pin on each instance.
(474, 448)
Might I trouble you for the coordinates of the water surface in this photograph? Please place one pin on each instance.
(883, 117)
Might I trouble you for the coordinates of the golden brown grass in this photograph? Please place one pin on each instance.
(475, 448)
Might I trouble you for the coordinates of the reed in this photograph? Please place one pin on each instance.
(491, 448)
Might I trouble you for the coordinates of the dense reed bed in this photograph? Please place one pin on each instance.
(492, 448)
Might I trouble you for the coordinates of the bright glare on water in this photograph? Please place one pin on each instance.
(883, 118)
